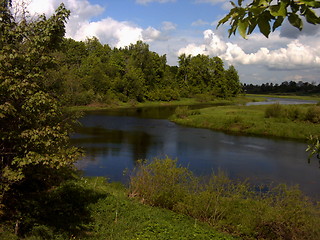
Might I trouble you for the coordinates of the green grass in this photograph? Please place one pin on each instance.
(113, 215)
(183, 101)
(250, 120)
(234, 206)
(315, 97)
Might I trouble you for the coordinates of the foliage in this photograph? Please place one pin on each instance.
(251, 120)
(313, 114)
(184, 111)
(273, 110)
(104, 211)
(279, 213)
(160, 183)
(268, 15)
(292, 87)
(34, 150)
(204, 75)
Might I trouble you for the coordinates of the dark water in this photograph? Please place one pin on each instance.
(115, 140)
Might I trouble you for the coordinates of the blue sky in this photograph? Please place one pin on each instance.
(173, 27)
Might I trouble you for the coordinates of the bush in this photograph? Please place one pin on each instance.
(274, 110)
(183, 112)
(160, 183)
(294, 113)
(203, 97)
(313, 114)
(235, 207)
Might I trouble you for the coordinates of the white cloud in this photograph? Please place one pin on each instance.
(107, 30)
(168, 26)
(144, 2)
(150, 34)
(293, 55)
(79, 8)
(199, 22)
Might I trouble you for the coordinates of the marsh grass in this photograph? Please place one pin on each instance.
(233, 207)
(184, 112)
(290, 121)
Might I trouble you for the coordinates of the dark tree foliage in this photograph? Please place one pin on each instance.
(285, 87)
(34, 152)
(91, 72)
(268, 15)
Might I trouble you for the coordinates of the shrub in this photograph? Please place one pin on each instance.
(313, 114)
(274, 110)
(183, 112)
(294, 113)
(203, 97)
(235, 207)
(160, 183)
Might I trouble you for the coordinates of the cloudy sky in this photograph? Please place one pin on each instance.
(173, 27)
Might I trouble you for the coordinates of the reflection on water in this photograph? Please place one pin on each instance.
(115, 140)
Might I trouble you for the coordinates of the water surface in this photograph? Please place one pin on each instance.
(115, 140)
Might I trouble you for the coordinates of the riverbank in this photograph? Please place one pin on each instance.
(91, 208)
(252, 120)
(231, 116)
(181, 102)
(288, 96)
(166, 201)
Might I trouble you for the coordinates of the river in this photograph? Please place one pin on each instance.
(115, 139)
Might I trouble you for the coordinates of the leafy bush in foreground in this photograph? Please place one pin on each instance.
(280, 213)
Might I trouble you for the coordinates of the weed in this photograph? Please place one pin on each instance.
(274, 110)
(313, 114)
(184, 112)
(235, 207)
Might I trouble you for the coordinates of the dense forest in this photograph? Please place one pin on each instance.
(89, 71)
(285, 87)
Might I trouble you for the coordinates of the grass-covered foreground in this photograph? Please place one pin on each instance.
(285, 121)
(90, 208)
(166, 201)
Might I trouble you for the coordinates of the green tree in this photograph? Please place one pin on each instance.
(268, 15)
(34, 150)
(219, 81)
(233, 80)
(134, 83)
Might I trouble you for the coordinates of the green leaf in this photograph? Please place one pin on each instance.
(252, 25)
(277, 23)
(224, 20)
(242, 28)
(311, 3)
(279, 10)
(264, 26)
(311, 16)
(295, 21)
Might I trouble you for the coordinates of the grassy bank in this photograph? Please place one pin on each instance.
(166, 201)
(183, 101)
(231, 206)
(288, 96)
(252, 120)
(93, 209)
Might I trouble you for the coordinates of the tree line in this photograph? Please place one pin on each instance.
(285, 87)
(88, 71)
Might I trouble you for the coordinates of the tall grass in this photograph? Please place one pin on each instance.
(234, 207)
(293, 112)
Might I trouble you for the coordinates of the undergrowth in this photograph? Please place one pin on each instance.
(233, 207)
